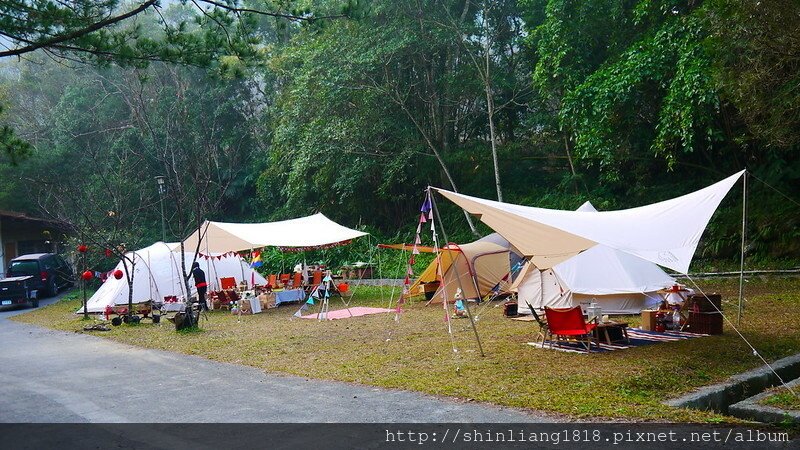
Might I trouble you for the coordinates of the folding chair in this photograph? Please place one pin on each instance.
(568, 323)
(226, 283)
(544, 331)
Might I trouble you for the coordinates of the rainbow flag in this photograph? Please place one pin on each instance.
(256, 262)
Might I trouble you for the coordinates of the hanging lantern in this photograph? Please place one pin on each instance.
(118, 274)
(86, 276)
(83, 248)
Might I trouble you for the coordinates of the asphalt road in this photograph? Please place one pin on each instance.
(52, 376)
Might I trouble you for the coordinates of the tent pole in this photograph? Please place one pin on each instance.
(741, 260)
(464, 300)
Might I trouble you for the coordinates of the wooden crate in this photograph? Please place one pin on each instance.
(704, 323)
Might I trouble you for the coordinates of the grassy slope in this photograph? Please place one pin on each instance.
(415, 353)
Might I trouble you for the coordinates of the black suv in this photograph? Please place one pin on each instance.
(49, 271)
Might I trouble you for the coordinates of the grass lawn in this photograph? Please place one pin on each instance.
(783, 400)
(415, 353)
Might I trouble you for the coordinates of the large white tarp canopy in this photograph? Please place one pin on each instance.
(310, 231)
(666, 233)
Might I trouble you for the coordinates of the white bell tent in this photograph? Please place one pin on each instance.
(157, 274)
(620, 283)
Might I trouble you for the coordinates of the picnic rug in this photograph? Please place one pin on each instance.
(637, 337)
(349, 312)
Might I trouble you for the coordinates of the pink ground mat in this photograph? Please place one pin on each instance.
(350, 312)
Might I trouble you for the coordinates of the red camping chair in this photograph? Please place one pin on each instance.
(224, 300)
(297, 281)
(285, 279)
(317, 280)
(273, 281)
(227, 283)
(568, 323)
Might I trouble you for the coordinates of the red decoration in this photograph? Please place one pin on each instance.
(118, 274)
(88, 275)
(343, 287)
(108, 253)
(83, 248)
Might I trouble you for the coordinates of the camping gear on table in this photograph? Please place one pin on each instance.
(593, 312)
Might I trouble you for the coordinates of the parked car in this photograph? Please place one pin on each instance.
(49, 271)
(17, 291)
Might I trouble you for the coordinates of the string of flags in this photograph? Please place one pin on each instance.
(426, 214)
(218, 257)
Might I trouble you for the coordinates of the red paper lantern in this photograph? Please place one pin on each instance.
(118, 274)
(343, 287)
(88, 275)
(83, 248)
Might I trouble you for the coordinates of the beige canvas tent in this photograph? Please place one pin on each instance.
(475, 268)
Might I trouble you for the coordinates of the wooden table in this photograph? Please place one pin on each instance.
(611, 332)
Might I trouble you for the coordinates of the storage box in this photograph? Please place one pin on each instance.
(704, 323)
(649, 319)
(510, 309)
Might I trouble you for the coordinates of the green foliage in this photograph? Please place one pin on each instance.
(621, 102)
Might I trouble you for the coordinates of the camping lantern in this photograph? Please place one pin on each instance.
(594, 311)
(86, 276)
(83, 248)
(118, 274)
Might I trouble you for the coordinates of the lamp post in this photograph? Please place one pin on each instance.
(162, 188)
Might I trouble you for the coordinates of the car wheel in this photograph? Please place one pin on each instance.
(52, 288)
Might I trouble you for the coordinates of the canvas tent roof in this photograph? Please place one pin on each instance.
(487, 259)
(666, 233)
(309, 231)
(157, 274)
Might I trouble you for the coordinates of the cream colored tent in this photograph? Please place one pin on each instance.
(619, 282)
(475, 268)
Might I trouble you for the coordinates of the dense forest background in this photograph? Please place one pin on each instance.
(618, 102)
